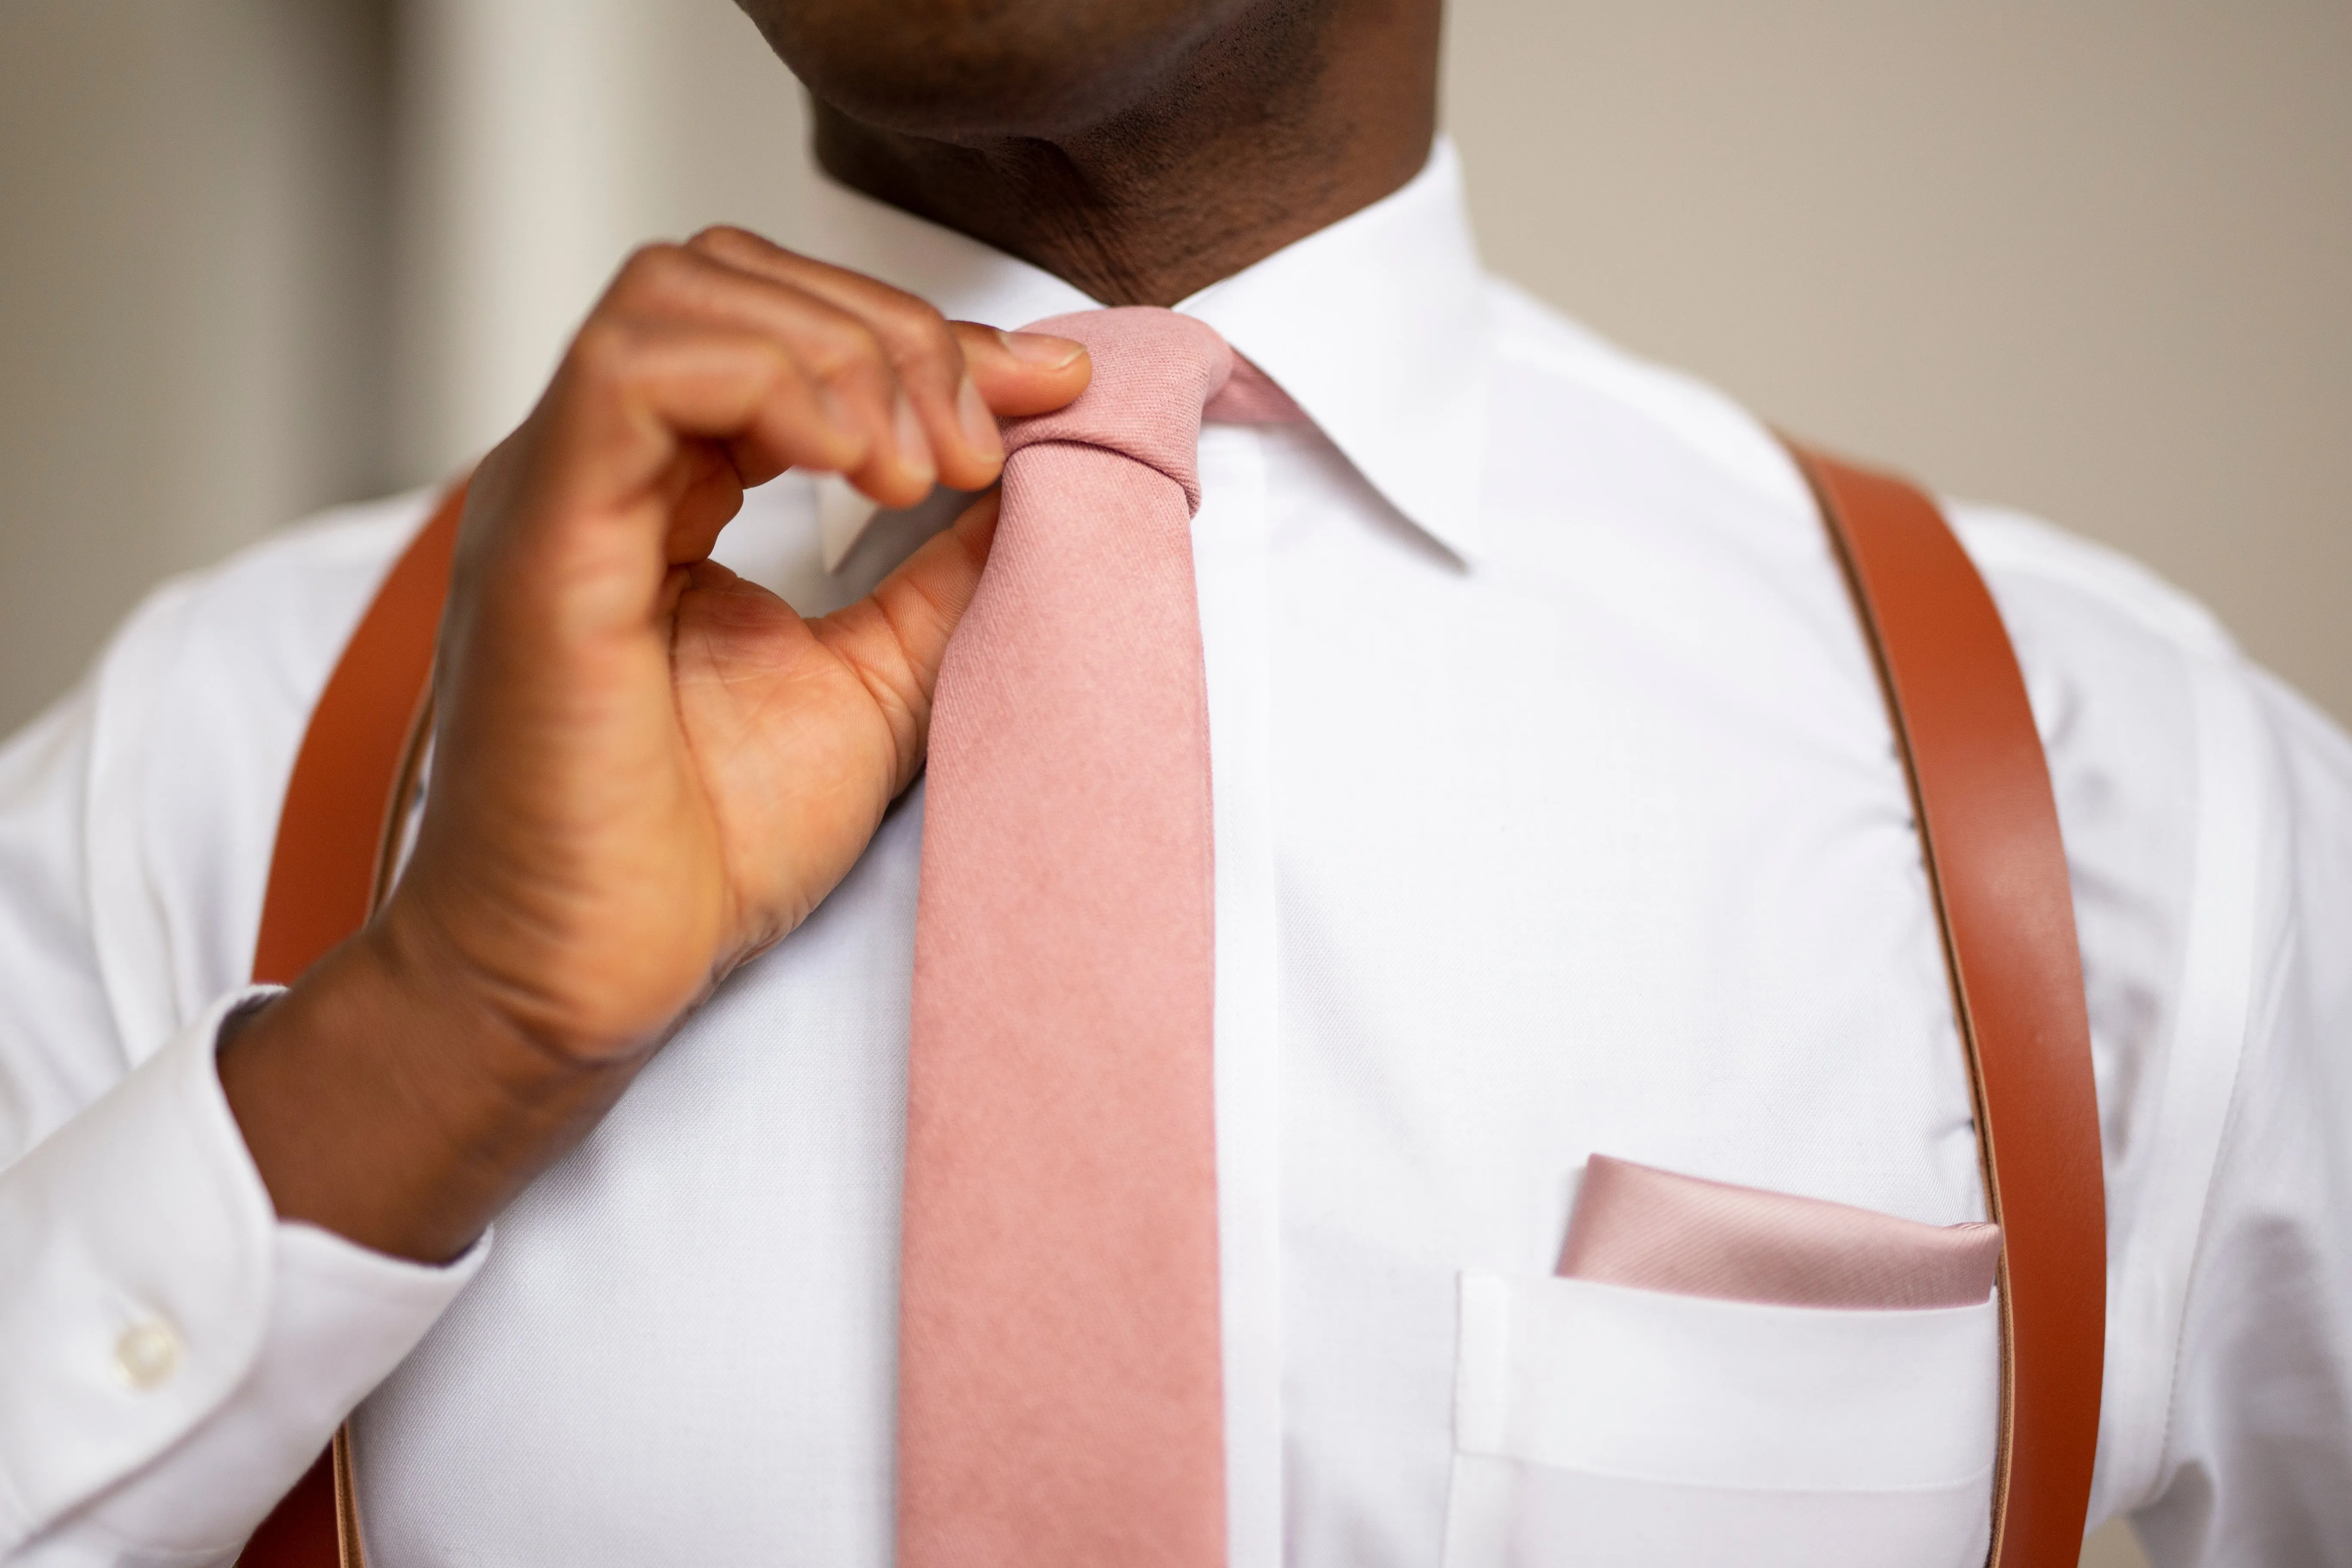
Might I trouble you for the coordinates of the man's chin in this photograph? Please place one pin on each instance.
(968, 72)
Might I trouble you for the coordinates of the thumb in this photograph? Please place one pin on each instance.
(895, 637)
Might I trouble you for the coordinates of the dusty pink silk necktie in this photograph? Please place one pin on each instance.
(1061, 1397)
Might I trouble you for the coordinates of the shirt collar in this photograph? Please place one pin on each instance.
(1376, 325)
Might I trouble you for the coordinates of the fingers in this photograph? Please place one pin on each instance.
(707, 493)
(947, 382)
(831, 376)
(715, 366)
(897, 637)
(642, 402)
(1018, 373)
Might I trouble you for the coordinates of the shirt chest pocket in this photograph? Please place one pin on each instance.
(1598, 1425)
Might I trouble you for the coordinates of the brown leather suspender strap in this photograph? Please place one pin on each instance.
(334, 836)
(1987, 822)
(324, 871)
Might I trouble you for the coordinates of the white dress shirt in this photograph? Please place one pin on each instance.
(1557, 813)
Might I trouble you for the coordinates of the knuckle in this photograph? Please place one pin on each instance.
(917, 336)
(603, 348)
(778, 369)
(723, 239)
(841, 343)
(653, 269)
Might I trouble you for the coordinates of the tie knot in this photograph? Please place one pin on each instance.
(1154, 372)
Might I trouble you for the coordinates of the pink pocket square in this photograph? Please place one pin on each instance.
(1657, 1231)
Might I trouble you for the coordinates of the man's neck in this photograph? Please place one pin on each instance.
(1244, 147)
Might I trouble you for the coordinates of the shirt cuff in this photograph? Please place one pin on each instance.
(160, 1322)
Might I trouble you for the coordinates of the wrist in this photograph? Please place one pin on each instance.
(386, 1100)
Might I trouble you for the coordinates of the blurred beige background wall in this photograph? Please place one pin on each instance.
(2091, 256)
(191, 247)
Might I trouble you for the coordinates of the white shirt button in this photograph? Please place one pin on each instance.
(147, 1353)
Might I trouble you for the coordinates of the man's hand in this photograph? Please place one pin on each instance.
(645, 770)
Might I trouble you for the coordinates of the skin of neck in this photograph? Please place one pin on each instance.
(1184, 167)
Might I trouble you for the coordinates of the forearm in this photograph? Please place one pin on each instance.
(383, 1102)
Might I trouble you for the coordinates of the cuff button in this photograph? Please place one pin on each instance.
(147, 1353)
